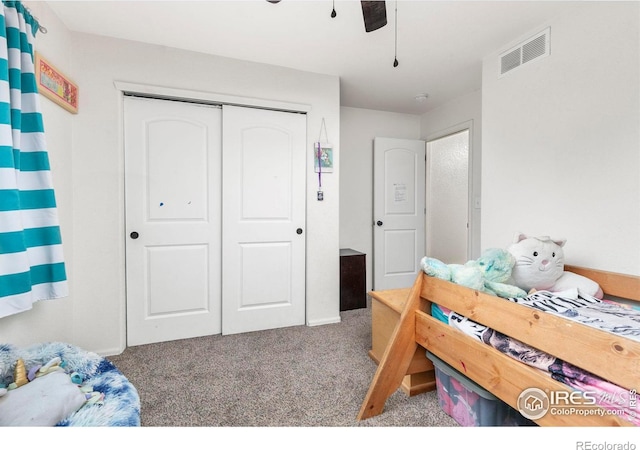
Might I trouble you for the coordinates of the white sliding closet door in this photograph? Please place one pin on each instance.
(263, 216)
(173, 226)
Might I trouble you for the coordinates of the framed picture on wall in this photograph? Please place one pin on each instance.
(323, 157)
(56, 86)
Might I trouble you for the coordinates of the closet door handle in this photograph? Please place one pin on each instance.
(134, 235)
(379, 223)
(299, 231)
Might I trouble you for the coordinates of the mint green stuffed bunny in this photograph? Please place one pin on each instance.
(488, 274)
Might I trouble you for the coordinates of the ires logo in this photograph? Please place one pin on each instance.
(573, 398)
(534, 403)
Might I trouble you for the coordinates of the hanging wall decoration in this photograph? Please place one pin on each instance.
(56, 86)
(323, 157)
(323, 151)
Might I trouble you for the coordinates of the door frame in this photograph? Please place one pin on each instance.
(162, 92)
(463, 126)
(168, 93)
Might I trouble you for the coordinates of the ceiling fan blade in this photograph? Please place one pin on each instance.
(375, 15)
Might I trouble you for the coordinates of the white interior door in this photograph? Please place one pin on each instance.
(264, 185)
(448, 198)
(398, 211)
(173, 198)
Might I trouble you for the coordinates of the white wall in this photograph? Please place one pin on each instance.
(448, 118)
(358, 128)
(561, 140)
(91, 181)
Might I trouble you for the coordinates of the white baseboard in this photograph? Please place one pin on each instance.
(314, 323)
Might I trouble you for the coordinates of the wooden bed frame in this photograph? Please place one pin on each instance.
(612, 357)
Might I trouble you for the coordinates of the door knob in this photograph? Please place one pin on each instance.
(379, 223)
(299, 231)
(134, 235)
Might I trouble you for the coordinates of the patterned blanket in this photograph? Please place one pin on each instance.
(606, 315)
(120, 402)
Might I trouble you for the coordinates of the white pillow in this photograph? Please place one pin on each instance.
(45, 401)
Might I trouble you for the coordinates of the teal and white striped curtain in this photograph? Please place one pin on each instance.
(31, 259)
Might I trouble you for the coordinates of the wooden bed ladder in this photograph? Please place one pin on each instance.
(397, 357)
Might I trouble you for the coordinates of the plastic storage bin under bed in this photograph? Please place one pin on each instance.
(468, 403)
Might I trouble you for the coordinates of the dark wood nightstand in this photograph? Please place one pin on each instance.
(353, 273)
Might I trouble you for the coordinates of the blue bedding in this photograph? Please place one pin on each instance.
(120, 402)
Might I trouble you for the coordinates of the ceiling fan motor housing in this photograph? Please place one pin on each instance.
(375, 15)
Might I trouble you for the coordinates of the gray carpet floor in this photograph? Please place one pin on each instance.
(290, 377)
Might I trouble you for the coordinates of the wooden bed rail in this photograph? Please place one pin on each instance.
(499, 374)
(611, 357)
(599, 352)
(618, 285)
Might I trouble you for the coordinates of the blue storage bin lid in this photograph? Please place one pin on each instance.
(465, 381)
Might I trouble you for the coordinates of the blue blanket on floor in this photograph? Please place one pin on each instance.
(120, 404)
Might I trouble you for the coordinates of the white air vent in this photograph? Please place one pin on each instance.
(533, 48)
